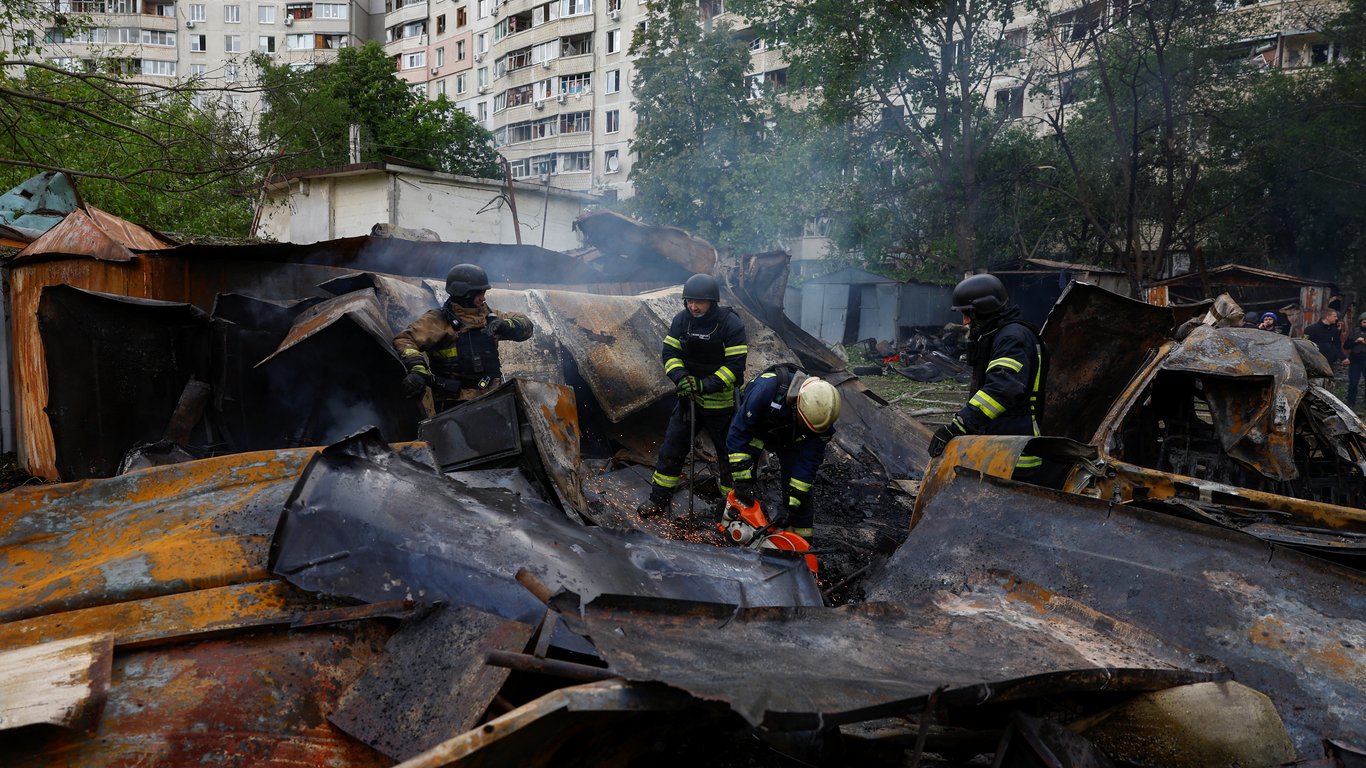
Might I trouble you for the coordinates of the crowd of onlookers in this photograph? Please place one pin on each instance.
(1341, 346)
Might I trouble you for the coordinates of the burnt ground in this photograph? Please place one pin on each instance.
(13, 475)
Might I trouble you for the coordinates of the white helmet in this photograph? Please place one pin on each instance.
(818, 404)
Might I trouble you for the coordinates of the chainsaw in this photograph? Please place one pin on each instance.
(749, 527)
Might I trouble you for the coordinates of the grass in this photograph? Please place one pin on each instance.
(915, 398)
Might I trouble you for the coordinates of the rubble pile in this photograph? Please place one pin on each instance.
(305, 570)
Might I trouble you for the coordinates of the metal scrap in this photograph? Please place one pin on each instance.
(1286, 624)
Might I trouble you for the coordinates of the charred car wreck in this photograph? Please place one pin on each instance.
(213, 587)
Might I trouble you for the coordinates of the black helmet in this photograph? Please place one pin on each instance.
(980, 295)
(702, 288)
(465, 279)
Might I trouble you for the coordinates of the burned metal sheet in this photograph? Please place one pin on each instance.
(616, 235)
(1286, 624)
(1255, 427)
(526, 423)
(1096, 342)
(367, 523)
(615, 341)
(250, 700)
(337, 371)
(105, 352)
(431, 682)
(158, 531)
(38, 203)
(88, 231)
(988, 639)
(402, 300)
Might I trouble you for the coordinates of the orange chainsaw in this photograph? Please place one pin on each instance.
(749, 527)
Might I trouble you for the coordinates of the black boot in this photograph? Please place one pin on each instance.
(653, 507)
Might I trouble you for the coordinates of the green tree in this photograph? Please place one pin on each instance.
(907, 83)
(311, 111)
(154, 154)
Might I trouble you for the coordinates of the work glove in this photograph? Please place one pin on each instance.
(495, 326)
(414, 384)
(688, 387)
(943, 435)
(745, 492)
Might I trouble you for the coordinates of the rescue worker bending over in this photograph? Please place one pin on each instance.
(460, 342)
(704, 355)
(1009, 368)
(792, 416)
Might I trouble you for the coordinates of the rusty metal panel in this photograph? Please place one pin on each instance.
(93, 233)
(369, 524)
(196, 614)
(877, 435)
(1286, 624)
(431, 682)
(110, 351)
(258, 701)
(153, 532)
(553, 415)
(990, 638)
(615, 341)
(402, 300)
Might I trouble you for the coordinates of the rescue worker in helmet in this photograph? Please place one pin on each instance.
(704, 355)
(792, 416)
(454, 349)
(1009, 368)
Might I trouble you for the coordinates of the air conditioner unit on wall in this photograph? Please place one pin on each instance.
(540, 105)
(189, 23)
(561, 98)
(614, 14)
(495, 10)
(289, 21)
(478, 57)
(545, 64)
(436, 70)
(483, 89)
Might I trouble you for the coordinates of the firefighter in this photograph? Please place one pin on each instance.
(1009, 368)
(454, 350)
(792, 416)
(704, 355)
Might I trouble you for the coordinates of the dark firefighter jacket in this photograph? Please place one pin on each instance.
(712, 348)
(1008, 372)
(458, 349)
(767, 419)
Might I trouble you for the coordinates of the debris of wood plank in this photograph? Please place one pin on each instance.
(60, 683)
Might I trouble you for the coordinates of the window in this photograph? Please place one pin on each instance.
(299, 42)
(231, 72)
(756, 45)
(543, 165)
(1013, 44)
(298, 11)
(482, 77)
(576, 122)
(199, 70)
(461, 19)
(519, 168)
(331, 10)
(232, 43)
(158, 68)
(460, 50)
(613, 81)
(441, 24)
(482, 110)
(441, 88)
(611, 162)
(575, 7)
(1010, 103)
(460, 83)
(265, 14)
(484, 6)
(576, 162)
(265, 44)
(197, 12)
(613, 40)
(199, 43)
(481, 43)
(613, 120)
(415, 60)
(233, 102)
(579, 83)
(440, 57)
(232, 14)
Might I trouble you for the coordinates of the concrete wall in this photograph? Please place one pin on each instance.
(348, 204)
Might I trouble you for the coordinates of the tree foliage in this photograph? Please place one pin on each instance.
(153, 154)
(310, 112)
(716, 154)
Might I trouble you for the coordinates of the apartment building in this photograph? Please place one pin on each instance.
(164, 41)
